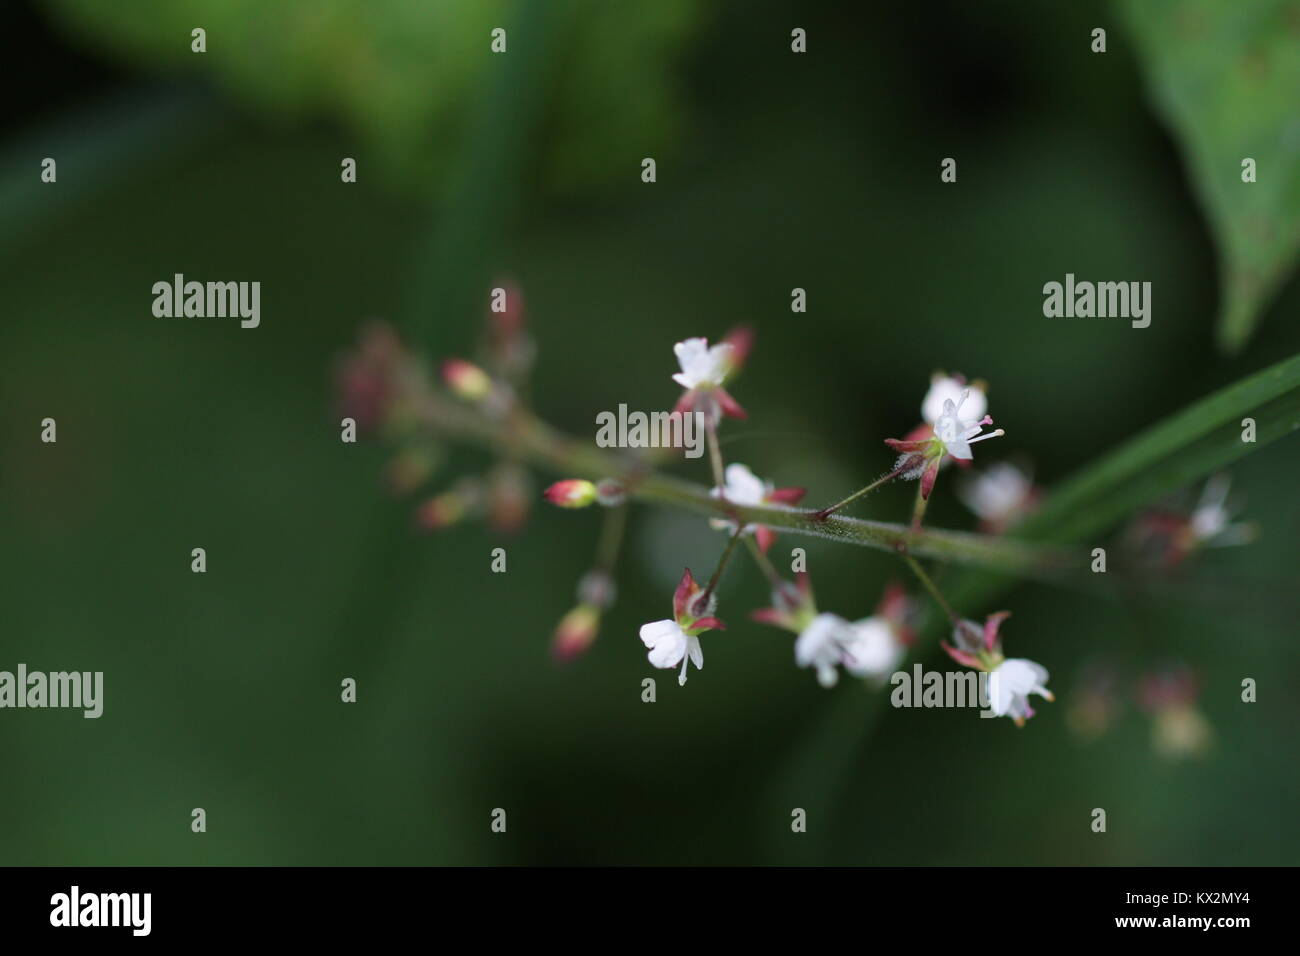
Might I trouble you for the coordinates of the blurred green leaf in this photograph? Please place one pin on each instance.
(1226, 78)
(411, 79)
(1179, 450)
(1170, 455)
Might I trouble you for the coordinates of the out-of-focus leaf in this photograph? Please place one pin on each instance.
(413, 78)
(1205, 436)
(1226, 78)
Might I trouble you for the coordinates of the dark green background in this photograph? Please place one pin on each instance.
(819, 171)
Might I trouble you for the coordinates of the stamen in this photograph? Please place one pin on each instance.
(996, 434)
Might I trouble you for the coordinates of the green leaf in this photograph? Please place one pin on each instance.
(1189, 445)
(409, 79)
(1170, 455)
(1225, 76)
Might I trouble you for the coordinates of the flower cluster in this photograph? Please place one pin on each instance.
(869, 648)
(385, 391)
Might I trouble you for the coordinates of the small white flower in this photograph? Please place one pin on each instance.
(742, 487)
(957, 432)
(670, 645)
(998, 494)
(948, 389)
(873, 649)
(822, 646)
(1211, 521)
(702, 365)
(1011, 683)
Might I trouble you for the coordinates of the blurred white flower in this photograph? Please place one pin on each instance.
(947, 388)
(702, 365)
(822, 645)
(874, 648)
(999, 495)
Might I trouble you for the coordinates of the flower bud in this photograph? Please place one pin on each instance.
(508, 497)
(571, 493)
(410, 468)
(465, 499)
(741, 340)
(440, 511)
(596, 588)
(367, 379)
(466, 380)
(575, 632)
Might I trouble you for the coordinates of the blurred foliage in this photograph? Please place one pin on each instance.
(1226, 78)
(408, 77)
(817, 171)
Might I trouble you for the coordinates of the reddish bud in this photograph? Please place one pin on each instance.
(741, 340)
(571, 493)
(466, 380)
(575, 632)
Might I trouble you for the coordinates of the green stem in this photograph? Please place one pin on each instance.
(542, 446)
(703, 599)
(715, 455)
(764, 563)
(827, 512)
(611, 537)
(930, 586)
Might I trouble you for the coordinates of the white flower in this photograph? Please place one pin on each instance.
(1211, 521)
(997, 494)
(957, 432)
(669, 644)
(948, 389)
(701, 365)
(1010, 685)
(742, 487)
(873, 649)
(822, 646)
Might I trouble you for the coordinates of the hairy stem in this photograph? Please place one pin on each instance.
(544, 447)
(827, 512)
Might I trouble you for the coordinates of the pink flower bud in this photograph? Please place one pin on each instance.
(367, 379)
(508, 497)
(466, 380)
(741, 340)
(575, 632)
(411, 468)
(440, 511)
(571, 493)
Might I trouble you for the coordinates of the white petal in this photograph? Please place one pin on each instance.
(719, 362)
(655, 631)
(1000, 695)
(873, 650)
(743, 486)
(693, 357)
(959, 448)
(949, 390)
(697, 653)
(1022, 675)
(819, 639)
